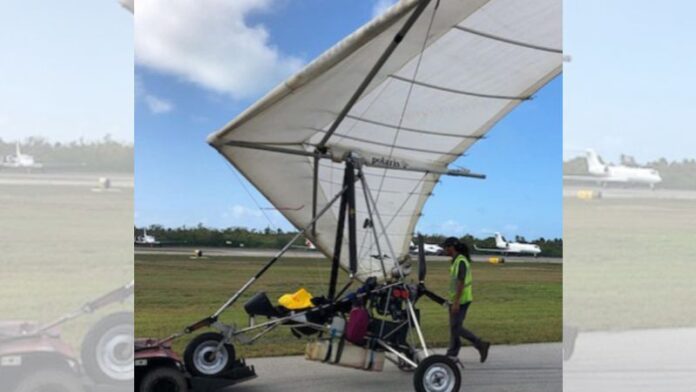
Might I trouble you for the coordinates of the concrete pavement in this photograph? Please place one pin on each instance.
(521, 368)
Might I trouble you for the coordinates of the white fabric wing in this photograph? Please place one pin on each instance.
(428, 104)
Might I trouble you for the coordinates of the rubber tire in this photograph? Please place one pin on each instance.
(174, 377)
(429, 361)
(60, 380)
(88, 351)
(200, 339)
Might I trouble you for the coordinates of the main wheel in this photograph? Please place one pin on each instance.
(202, 357)
(164, 379)
(107, 350)
(437, 373)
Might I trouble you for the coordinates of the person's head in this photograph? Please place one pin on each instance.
(450, 246)
(453, 247)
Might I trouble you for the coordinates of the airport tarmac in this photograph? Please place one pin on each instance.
(308, 254)
(521, 368)
(61, 179)
(635, 360)
(611, 192)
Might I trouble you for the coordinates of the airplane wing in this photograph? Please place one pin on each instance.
(589, 178)
(461, 68)
(491, 250)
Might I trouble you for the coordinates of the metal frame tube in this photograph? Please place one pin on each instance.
(275, 258)
(398, 354)
(411, 310)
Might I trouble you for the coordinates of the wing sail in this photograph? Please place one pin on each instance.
(433, 99)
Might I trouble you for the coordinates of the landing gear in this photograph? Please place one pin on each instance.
(437, 373)
(203, 358)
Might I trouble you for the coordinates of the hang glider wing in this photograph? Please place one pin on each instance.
(431, 100)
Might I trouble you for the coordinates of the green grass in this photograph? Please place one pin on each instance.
(514, 303)
(629, 263)
(61, 247)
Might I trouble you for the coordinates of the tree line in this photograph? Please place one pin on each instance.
(105, 154)
(268, 238)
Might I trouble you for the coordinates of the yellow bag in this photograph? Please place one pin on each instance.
(298, 300)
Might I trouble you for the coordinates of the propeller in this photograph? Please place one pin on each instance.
(422, 268)
(422, 272)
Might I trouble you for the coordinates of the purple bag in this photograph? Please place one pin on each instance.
(356, 328)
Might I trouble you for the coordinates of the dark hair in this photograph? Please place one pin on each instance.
(463, 249)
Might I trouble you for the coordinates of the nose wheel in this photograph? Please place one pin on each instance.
(205, 357)
(437, 373)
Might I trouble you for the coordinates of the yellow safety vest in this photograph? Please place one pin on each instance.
(467, 293)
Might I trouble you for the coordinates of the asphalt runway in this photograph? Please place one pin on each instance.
(571, 191)
(522, 368)
(635, 361)
(61, 179)
(308, 254)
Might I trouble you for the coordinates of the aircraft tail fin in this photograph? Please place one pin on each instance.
(594, 163)
(18, 151)
(500, 241)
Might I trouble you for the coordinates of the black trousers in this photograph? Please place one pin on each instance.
(457, 331)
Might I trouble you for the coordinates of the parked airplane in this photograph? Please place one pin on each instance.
(505, 247)
(20, 161)
(604, 174)
(430, 249)
(147, 240)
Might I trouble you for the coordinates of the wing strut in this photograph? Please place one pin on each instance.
(347, 207)
(321, 147)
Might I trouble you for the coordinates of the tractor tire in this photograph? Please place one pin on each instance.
(164, 379)
(50, 380)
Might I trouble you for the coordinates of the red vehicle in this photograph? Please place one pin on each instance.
(159, 369)
(34, 357)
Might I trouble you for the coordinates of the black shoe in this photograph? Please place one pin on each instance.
(483, 350)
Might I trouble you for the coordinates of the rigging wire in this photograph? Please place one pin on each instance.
(403, 111)
(251, 196)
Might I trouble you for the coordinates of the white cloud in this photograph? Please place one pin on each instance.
(382, 5)
(452, 227)
(240, 212)
(158, 105)
(511, 227)
(211, 44)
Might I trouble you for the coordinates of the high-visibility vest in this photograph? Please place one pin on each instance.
(467, 293)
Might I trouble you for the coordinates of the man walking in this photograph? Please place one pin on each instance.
(461, 296)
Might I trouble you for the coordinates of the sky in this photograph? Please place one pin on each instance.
(187, 88)
(66, 70)
(630, 85)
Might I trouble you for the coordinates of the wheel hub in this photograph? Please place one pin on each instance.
(439, 378)
(208, 359)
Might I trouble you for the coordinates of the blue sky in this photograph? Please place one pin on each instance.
(66, 70)
(629, 87)
(180, 180)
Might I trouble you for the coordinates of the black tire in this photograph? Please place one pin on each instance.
(200, 358)
(107, 350)
(164, 379)
(437, 373)
(50, 380)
